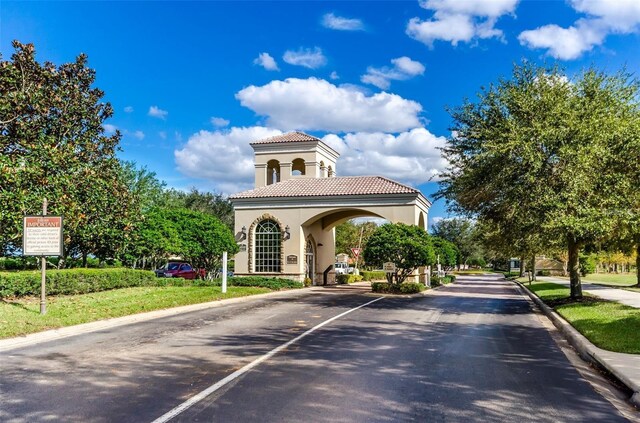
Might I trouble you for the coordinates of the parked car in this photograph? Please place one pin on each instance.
(177, 269)
(342, 268)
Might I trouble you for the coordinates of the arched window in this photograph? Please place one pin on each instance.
(322, 168)
(273, 172)
(297, 167)
(268, 244)
(330, 172)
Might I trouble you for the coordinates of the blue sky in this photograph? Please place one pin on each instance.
(192, 83)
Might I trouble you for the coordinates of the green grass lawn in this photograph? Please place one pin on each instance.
(613, 279)
(609, 325)
(22, 315)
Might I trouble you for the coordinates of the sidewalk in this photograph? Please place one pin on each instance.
(625, 367)
(622, 296)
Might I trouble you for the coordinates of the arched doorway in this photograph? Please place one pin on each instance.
(310, 260)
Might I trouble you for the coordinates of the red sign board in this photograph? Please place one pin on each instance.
(42, 236)
(356, 252)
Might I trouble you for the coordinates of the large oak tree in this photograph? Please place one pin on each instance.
(548, 150)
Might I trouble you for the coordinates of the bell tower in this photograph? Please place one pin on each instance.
(292, 155)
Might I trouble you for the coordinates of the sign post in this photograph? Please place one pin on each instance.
(390, 269)
(42, 237)
(224, 272)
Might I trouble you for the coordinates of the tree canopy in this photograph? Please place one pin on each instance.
(53, 145)
(549, 154)
(408, 246)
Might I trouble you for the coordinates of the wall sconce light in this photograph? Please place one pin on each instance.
(287, 233)
(242, 235)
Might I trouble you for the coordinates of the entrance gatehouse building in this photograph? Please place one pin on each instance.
(285, 226)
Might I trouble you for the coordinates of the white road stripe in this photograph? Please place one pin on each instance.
(213, 388)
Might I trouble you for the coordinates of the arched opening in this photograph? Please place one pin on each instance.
(267, 247)
(273, 172)
(297, 167)
(421, 222)
(322, 169)
(330, 173)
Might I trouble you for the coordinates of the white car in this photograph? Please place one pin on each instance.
(342, 268)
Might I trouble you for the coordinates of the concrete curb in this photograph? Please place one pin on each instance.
(585, 348)
(68, 331)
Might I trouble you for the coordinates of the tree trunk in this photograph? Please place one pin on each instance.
(533, 268)
(84, 260)
(521, 266)
(574, 267)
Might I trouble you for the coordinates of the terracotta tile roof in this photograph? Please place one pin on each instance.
(288, 137)
(326, 187)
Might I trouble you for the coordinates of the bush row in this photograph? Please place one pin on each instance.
(73, 281)
(350, 278)
(436, 281)
(373, 275)
(403, 288)
(84, 281)
(262, 282)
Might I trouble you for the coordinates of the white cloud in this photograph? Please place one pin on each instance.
(109, 129)
(219, 122)
(307, 57)
(411, 157)
(155, 111)
(332, 21)
(266, 61)
(139, 135)
(162, 135)
(604, 17)
(128, 109)
(334, 75)
(403, 68)
(316, 104)
(564, 43)
(457, 21)
(223, 157)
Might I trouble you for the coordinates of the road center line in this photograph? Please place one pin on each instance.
(216, 386)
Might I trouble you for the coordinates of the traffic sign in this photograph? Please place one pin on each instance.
(356, 252)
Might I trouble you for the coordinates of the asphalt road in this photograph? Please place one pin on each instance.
(473, 351)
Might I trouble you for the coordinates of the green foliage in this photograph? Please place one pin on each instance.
(195, 236)
(74, 281)
(462, 233)
(446, 251)
(372, 275)
(348, 278)
(214, 204)
(402, 288)
(408, 246)
(437, 281)
(587, 264)
(477, 261)
(348, 235)
(52, 145)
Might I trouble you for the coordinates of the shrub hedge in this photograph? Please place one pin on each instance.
(372, 275)
(403, 288)
(73, 281)
(348, 278)
(436, 281)
(84, 281)
(262, 282)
